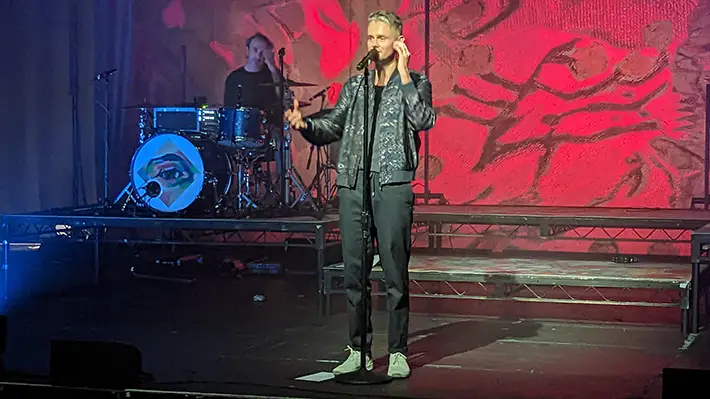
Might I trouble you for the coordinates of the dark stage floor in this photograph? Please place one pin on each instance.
(210, 336)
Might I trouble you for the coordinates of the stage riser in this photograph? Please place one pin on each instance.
(563, 312)
(538, 309)
(550, 292)
(527, 310)
(650, 296)
(653, 243)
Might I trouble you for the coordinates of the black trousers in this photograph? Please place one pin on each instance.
(390, 224)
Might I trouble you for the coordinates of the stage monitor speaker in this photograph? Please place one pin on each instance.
(685, 383)
(107, 365)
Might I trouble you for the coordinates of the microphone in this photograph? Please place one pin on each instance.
(370, 56)
(153, 189)
(282, 51)
(105, 74)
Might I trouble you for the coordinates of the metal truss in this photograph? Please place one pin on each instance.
(559, 293)
(146, 232)
(436, 232)
(218, 238)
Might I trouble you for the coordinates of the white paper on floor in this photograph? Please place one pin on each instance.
(316, 377)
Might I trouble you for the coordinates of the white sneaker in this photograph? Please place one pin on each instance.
(398, 366)
(352, 363)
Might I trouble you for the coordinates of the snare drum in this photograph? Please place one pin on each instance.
(171, 173)
(243, 127)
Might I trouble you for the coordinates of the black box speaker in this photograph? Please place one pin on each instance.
(107, 365)
(685, 383)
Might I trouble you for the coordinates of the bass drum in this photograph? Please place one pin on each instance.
(171, 173)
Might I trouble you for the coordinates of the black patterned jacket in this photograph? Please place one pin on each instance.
(404, 111)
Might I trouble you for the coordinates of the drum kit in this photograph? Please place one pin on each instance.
(199, 159)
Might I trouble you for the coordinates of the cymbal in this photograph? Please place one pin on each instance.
(290, 83)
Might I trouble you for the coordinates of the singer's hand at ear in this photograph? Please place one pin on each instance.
(294, 117)
(402, 60)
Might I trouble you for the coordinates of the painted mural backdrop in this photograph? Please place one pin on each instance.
(540, 102)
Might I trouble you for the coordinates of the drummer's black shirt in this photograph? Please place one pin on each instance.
(252, 93)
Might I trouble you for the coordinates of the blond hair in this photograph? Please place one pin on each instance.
(388, 17)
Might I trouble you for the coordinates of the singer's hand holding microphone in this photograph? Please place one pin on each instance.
(294, 116)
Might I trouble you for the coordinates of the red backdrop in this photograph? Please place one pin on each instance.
(546, 102)
(542, 102)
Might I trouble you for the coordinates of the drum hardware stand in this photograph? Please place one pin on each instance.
(322, 176)
(288, 175)
(262, 175)
(293, 178)
(245, 167)
(128, 192)
(323, 167)
(212, 180)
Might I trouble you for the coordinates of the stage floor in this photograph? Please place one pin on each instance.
(541, 270)
(210, 336)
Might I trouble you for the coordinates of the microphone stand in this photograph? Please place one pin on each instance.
(105, 204)
(284, 143)
(107, 136)
(362, 376)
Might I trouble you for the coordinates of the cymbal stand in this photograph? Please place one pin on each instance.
(322, 181)
(293, 179)
(323, 167)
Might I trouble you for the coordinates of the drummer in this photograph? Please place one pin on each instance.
(254, 85)
(256, 77)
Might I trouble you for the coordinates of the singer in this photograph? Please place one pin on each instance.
(400, 107)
